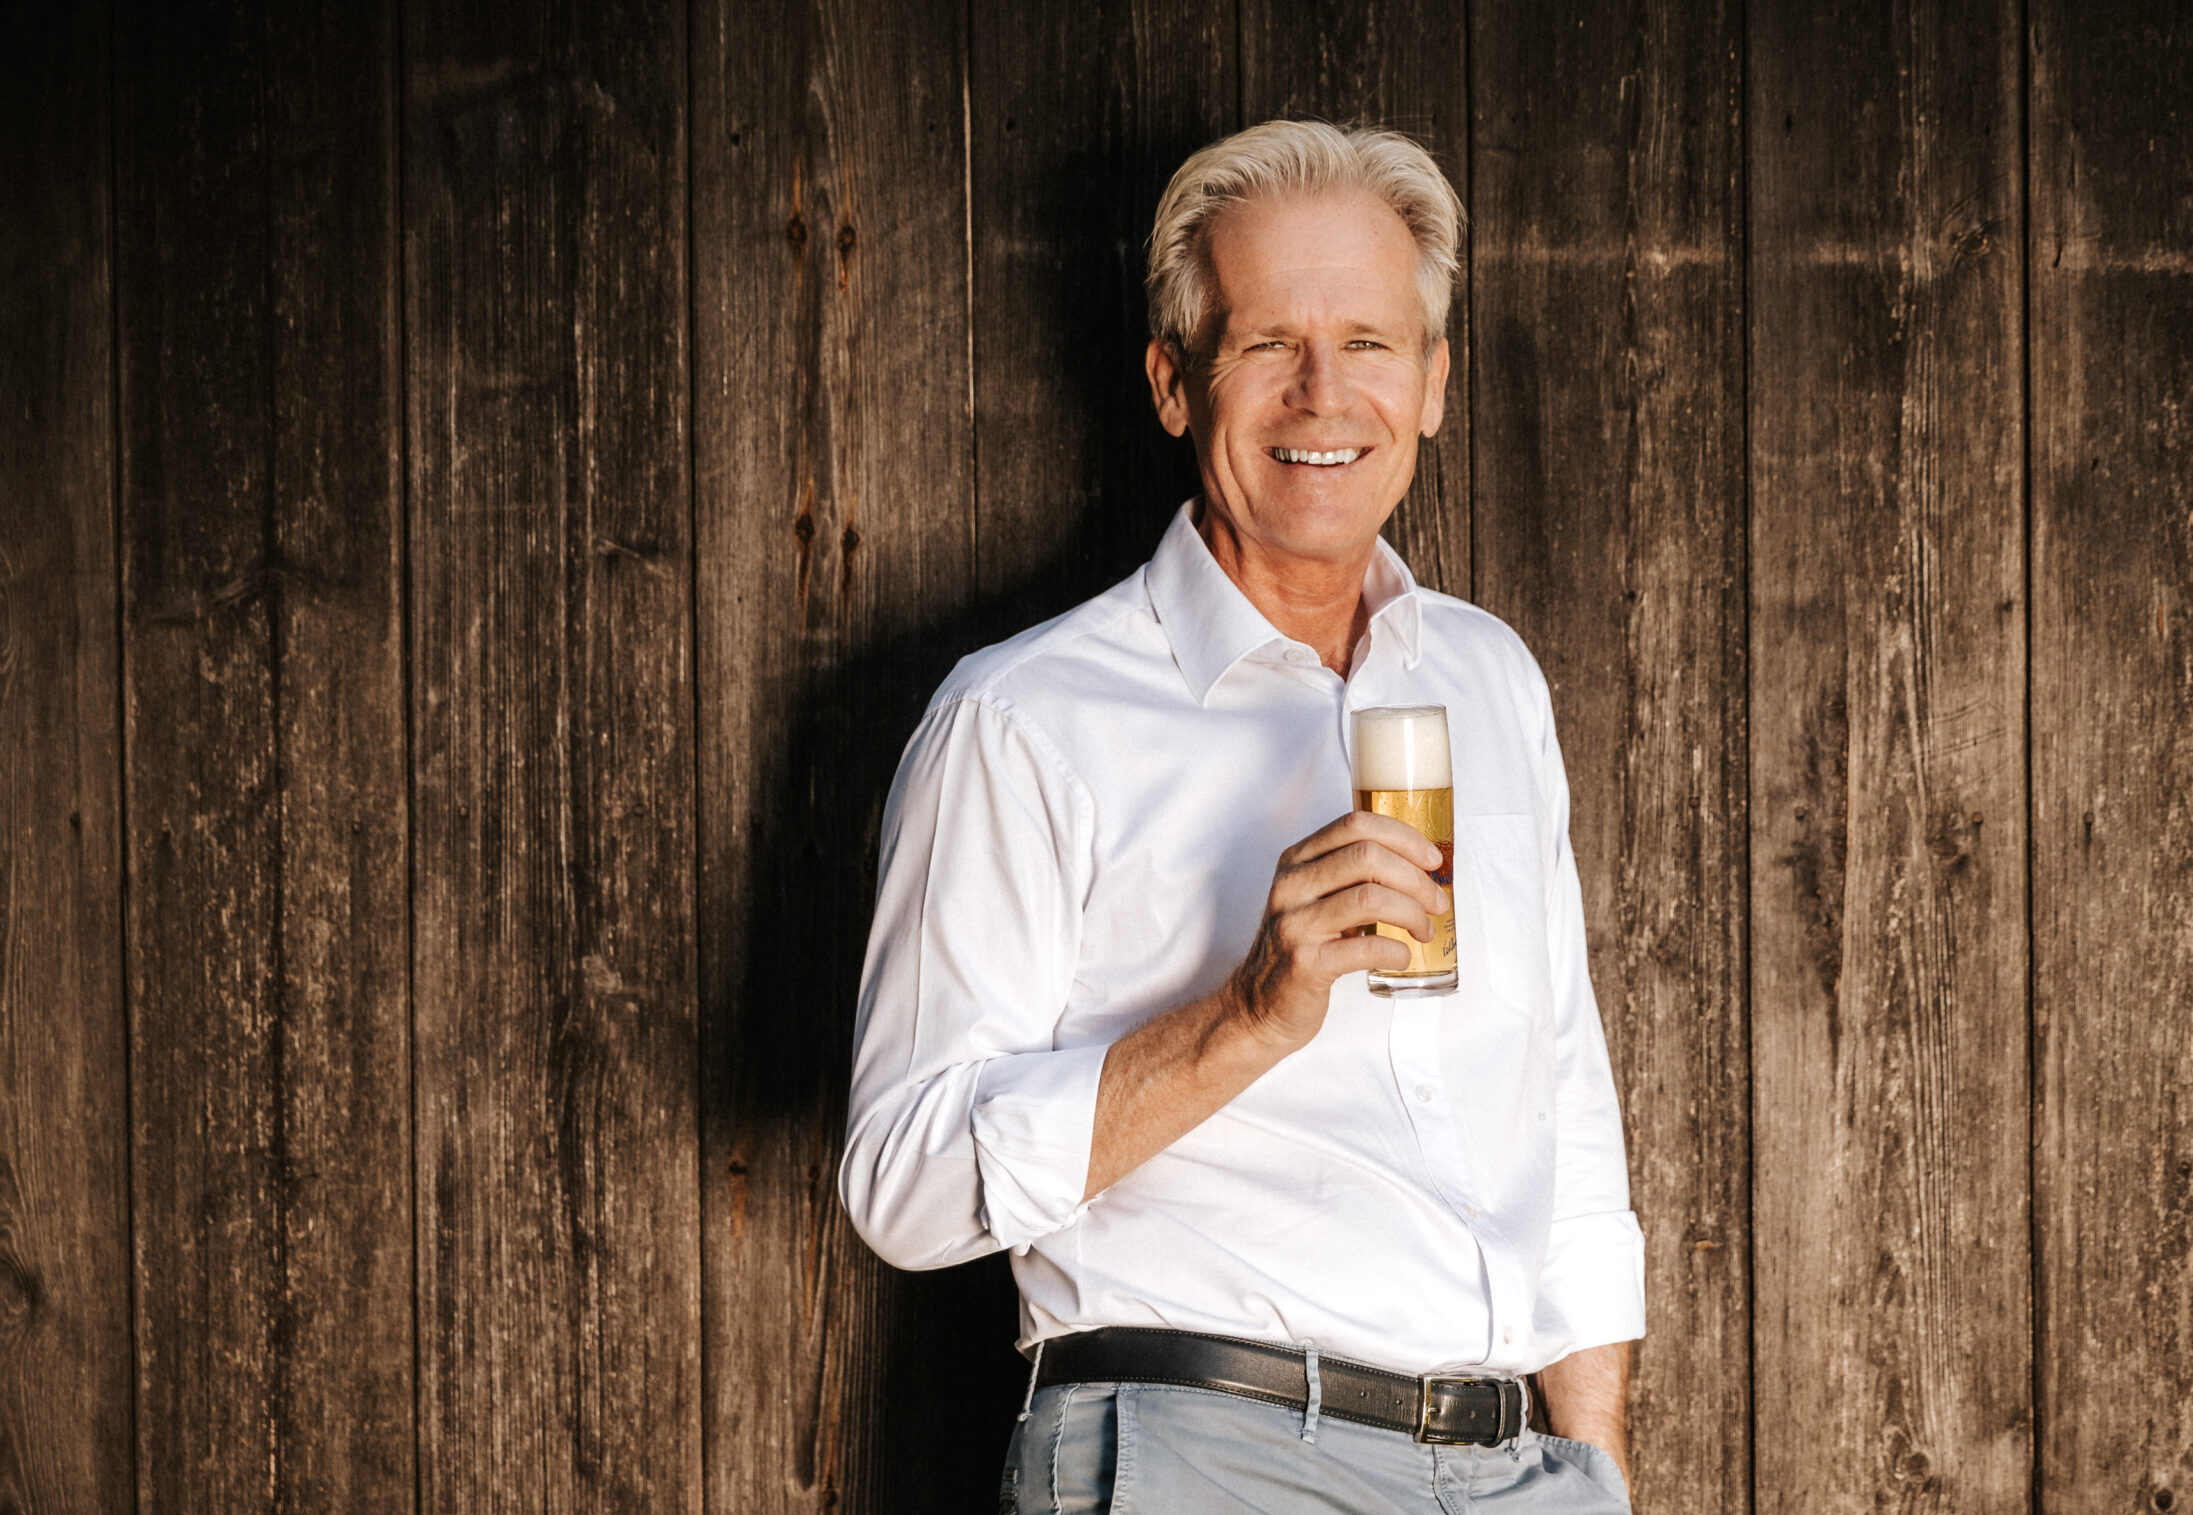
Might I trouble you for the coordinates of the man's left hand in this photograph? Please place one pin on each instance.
(1587, 1398)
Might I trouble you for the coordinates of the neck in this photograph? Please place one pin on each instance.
(1316, 601)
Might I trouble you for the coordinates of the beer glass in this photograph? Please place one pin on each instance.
(1403, 769)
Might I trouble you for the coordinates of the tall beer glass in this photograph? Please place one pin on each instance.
(1403, 769)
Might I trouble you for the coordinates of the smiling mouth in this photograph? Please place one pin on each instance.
(1339, 457)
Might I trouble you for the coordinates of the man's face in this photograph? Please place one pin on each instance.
(1316, 348)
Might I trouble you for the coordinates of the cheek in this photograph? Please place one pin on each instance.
(1404, 408)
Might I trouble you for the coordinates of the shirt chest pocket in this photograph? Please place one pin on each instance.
(1511, 900)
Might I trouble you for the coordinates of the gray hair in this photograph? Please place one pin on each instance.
(1297, 158)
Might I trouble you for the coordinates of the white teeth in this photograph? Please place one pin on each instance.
(1320, 459)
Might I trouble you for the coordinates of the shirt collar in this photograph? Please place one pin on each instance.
(1212, 626)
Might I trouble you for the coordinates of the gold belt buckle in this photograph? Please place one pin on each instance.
(1431, 1381)
(1507, 1421)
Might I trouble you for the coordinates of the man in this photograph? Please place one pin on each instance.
(1281, 1245)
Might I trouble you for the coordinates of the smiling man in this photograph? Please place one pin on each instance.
(1282, 1245)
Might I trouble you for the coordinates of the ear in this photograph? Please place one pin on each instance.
(1168, 387)
(1435, 389)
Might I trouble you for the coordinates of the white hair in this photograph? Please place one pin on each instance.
(1297, 158)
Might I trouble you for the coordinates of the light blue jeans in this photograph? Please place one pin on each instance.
(1152, 1449)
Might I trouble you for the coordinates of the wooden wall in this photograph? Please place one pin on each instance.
(485, 490)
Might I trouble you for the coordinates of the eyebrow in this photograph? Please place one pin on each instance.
(1355, 329)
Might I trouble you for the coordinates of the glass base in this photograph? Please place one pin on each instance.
(1414, 985)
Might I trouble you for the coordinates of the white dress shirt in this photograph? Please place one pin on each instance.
(1081, 836)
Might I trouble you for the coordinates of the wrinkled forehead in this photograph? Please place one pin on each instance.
(1336, 258)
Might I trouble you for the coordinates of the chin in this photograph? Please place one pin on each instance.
(1326, 535)
(1338, 521)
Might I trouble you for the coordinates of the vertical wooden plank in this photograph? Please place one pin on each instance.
(203, 832)
(1608, 305)
(64, 1218)
(2112, 397)
(345, 930)
(1890, 1091)
(1401, 64)
(834, 457)
(545, 246)
(1075, 480)
(263, 702)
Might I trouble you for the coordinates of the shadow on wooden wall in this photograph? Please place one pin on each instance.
(927, 1356)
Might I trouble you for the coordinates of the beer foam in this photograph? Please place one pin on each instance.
(1402, 747)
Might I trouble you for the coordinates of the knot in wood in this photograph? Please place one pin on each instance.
(22, 1296)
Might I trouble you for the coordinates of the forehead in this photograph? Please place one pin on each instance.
(1338, 256)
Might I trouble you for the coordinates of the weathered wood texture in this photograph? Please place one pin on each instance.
(551, 574)
(265, 770)
(485, 492)
(1073, 480)
(2111, 179)
(1404, 64)
(1607, 305)
(1888, 816)
(834, 450)
(64, 1204)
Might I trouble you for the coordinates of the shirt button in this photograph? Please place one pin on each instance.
(1508, 1336)
(1470, 1211)
(1297, 655)
(1423, 1094)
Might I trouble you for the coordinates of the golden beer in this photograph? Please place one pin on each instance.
(1403, 769)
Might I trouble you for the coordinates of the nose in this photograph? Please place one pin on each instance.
(1320, 385)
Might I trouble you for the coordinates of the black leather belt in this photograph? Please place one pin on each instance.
(1437, 1408)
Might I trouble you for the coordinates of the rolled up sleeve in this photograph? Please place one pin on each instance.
(969, 1129)
(1592, 1284)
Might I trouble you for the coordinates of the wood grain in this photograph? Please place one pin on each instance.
(1401, 64)
(1077, 481)
(1607, 303)
(266, 772)
(834, 462)
(335, 473)
(1892, 1338)
(2112, 385)
(552, 698)
(65, 1425)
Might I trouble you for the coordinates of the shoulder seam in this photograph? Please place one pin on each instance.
(1039, 739)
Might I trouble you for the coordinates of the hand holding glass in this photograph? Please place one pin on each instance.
(1403, 769)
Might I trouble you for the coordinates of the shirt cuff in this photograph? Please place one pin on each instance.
(1034, 1118)
(1592, 1288)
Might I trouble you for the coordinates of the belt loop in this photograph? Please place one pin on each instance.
(1034, 1368)
(1316, 1397)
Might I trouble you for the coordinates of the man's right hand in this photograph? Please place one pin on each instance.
(1168, 1075)
(1330, 887)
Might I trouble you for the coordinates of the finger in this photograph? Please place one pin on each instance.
(1357, 863)
(1353, 954)
(1362, 826)
(1363, 905)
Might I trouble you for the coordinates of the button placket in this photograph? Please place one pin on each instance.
(1414, 1049)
